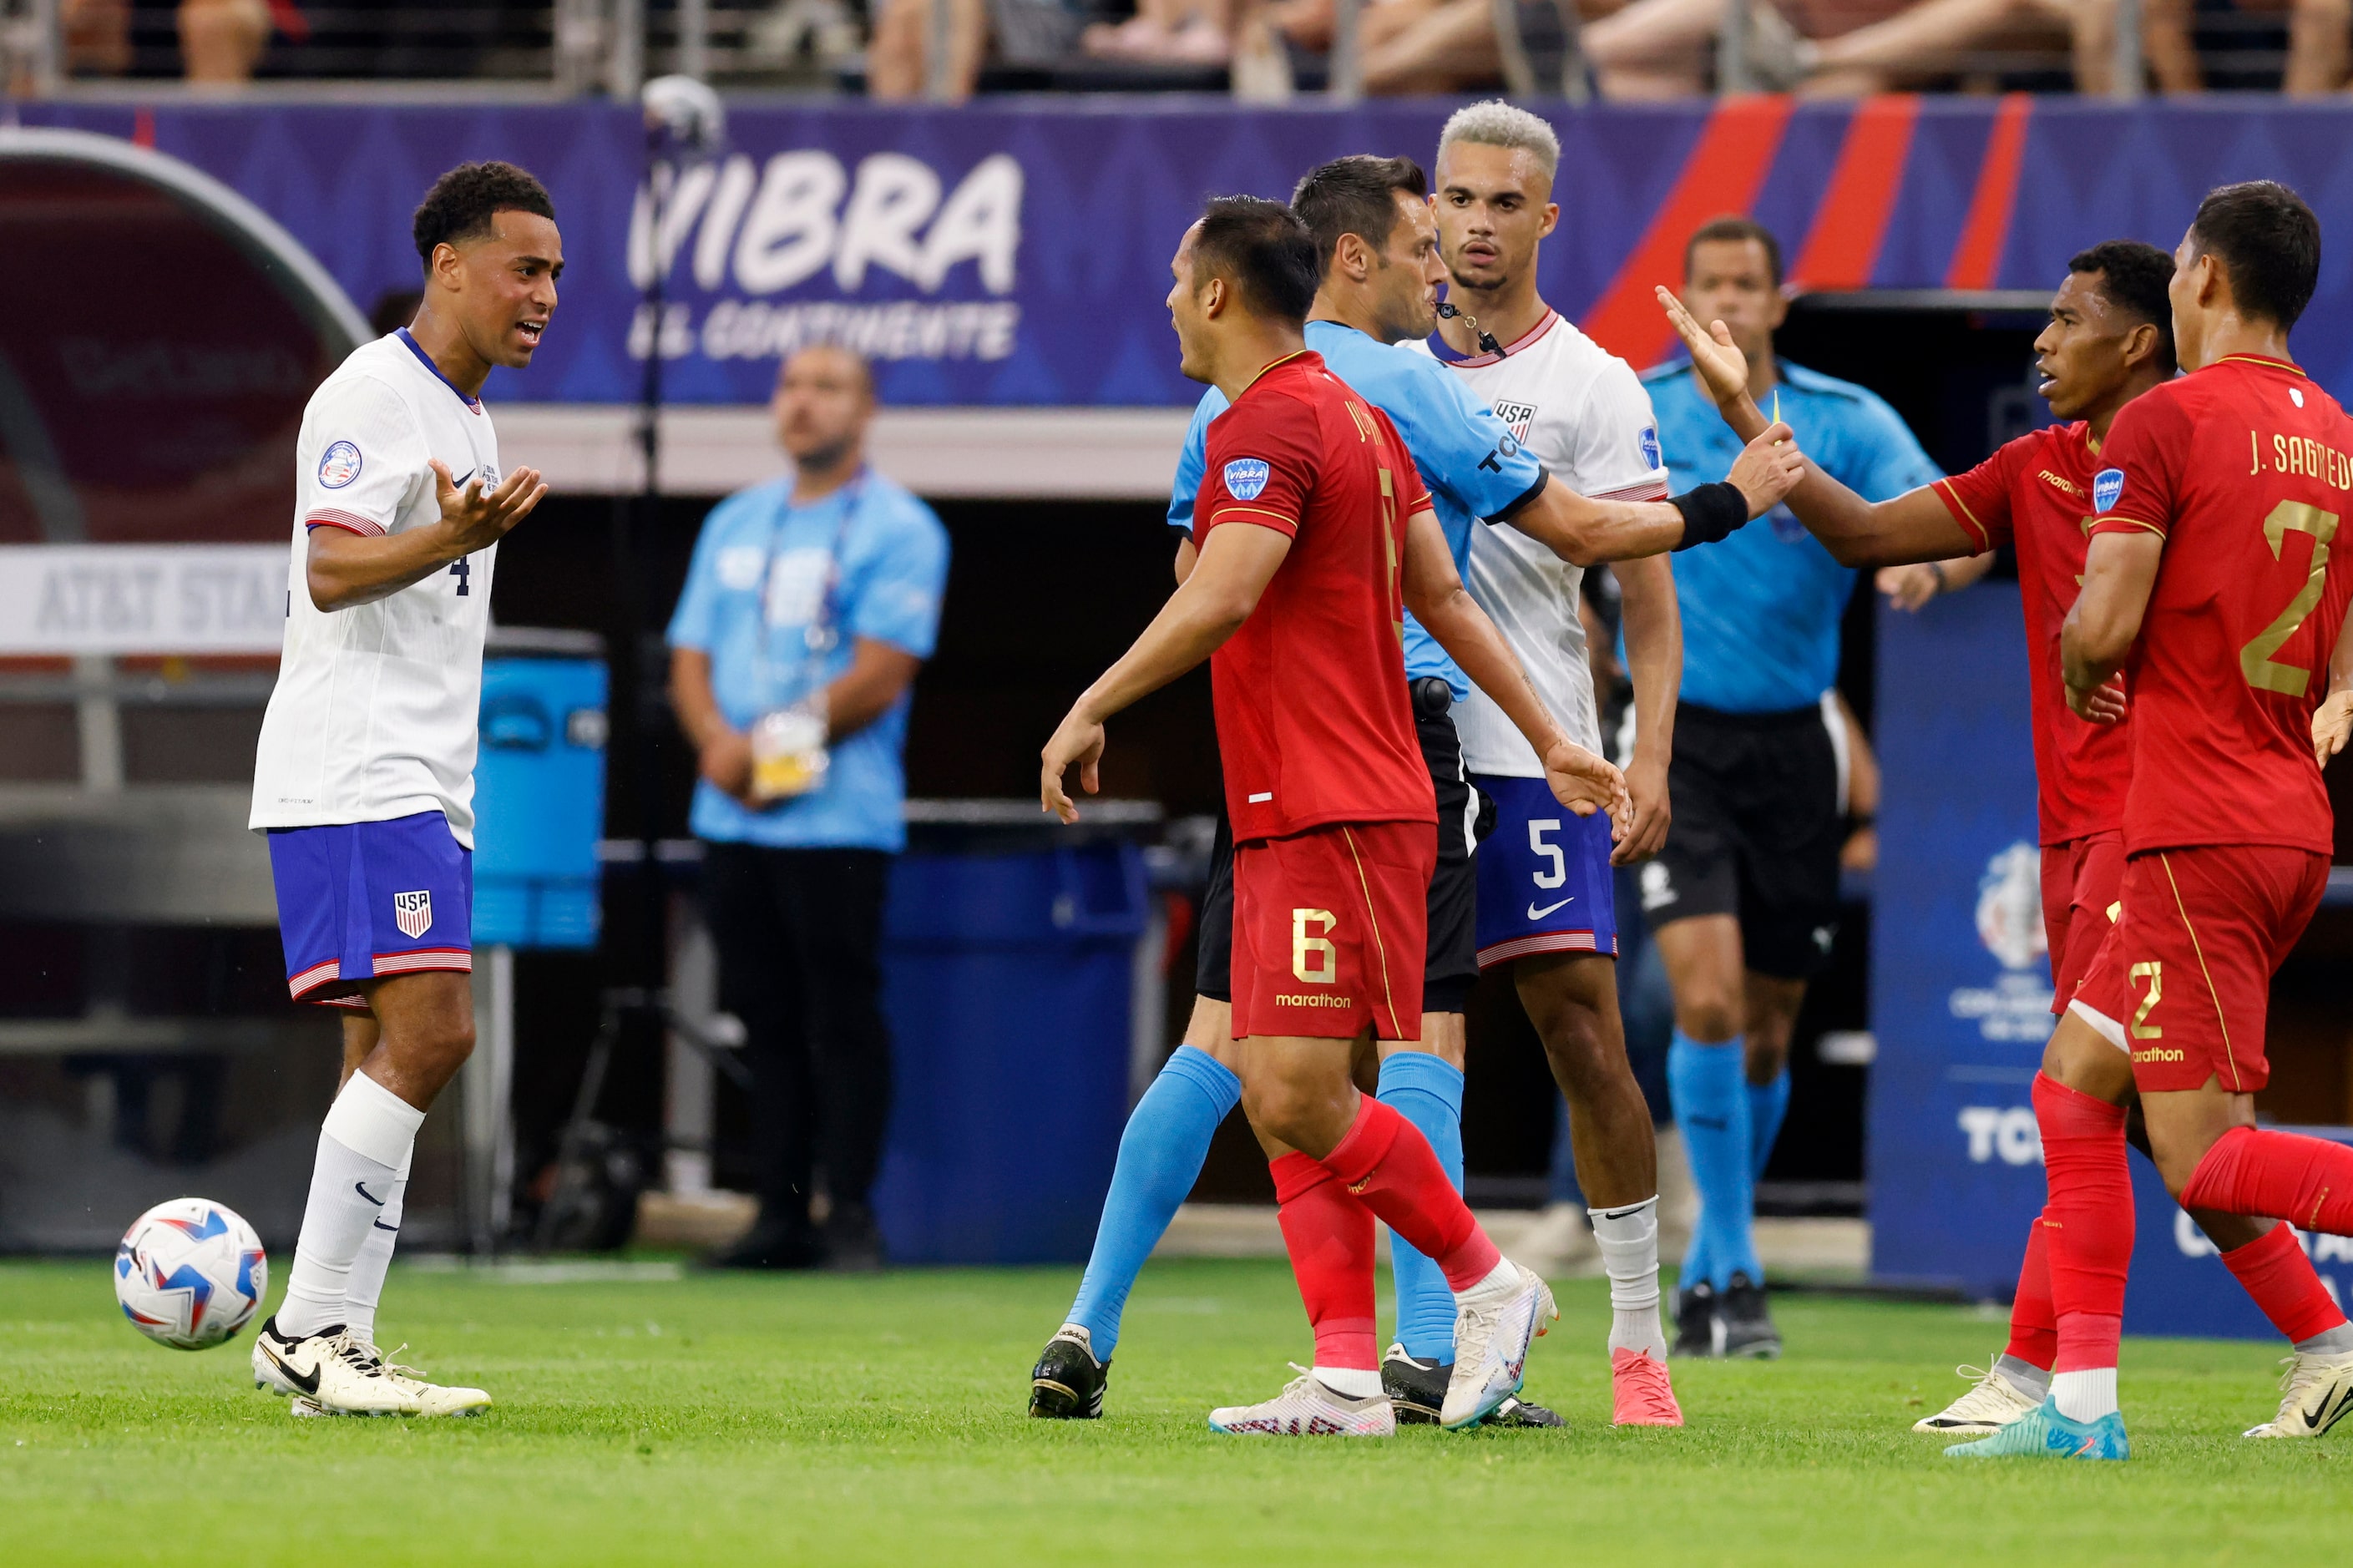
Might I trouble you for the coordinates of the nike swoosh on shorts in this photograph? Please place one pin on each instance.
(1537, 914)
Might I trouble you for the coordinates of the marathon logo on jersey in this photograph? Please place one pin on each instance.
(1650, 440)
(339, 465)
(2107, 487)
(1517, 417)
(1246, 477)
(413, 913)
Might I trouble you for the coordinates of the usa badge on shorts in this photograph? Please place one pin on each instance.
(339, 465)
(2108, 485)
(1245, 477)
(413, 913)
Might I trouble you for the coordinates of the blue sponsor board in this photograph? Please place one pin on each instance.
(1016, 252)
(1960, 985)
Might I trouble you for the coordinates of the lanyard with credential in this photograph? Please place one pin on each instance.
(789, 756)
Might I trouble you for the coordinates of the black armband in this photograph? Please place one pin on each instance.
(1710, 512)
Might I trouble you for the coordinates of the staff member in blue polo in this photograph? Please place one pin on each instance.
(811, 602)
(1743, 901)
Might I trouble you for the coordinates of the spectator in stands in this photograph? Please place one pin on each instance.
(221, 41)
(1166, 32)
(810, 602)
(1026, 32)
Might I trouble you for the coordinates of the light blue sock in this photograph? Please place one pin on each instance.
(1712, 1107)
(1768, 1104)
(1160, 1157)
(1427, 1091)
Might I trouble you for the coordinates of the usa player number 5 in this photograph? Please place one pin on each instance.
(1545, 851)
(2255, 659)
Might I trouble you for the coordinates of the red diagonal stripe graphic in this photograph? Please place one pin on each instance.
(1722, 175)
(1860, 196)
(1979, 251)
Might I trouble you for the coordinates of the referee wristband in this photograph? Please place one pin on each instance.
(1710, 512)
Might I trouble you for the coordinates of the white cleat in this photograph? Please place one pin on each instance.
(1991, 1403)
(1306, 1408)
(341, 1376)
(432, 1398)
(1490, 1350)
(2316, 1392)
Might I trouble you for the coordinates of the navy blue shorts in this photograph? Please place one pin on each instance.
(360, 900)
(1545, 883)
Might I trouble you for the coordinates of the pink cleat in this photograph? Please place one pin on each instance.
(1641, 1395)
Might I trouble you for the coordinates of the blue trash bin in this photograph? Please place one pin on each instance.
(539, 797)
(1006, 982)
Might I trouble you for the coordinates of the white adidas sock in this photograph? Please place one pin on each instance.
(2085, 1395)
(1349, 1382)
(1629, 1238)
(365, 1288)
(363, 1147)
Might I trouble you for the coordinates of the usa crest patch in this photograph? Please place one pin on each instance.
(339, 465)
(1246, 477)
(413, 913)
(1517, 417)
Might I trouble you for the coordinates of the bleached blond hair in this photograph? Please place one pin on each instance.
(1494, 123)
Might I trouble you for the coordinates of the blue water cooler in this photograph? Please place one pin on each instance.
(539, 791)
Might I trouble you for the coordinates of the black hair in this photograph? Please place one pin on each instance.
(2267, 243)
(1262, 248)
(1734, 230)
(2133, 277)
(1355, 194)
(462, 203)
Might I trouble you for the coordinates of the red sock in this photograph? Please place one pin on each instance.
(1387, 1162)
(1330, 1237)
(2087, 1222)
(2033, 1322)
(2307, 1182)
(2277, 1274)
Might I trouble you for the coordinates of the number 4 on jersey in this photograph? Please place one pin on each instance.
(462, 569)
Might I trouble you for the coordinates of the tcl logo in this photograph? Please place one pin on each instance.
(2008, 1131)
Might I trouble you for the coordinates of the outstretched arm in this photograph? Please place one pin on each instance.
(343, 568)
(1582, 781)
(1915, 526)
(1236, 562)
(2119, 570)
(1584, 531)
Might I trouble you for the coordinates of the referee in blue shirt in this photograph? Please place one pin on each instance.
(1744, 898)
(810, 603)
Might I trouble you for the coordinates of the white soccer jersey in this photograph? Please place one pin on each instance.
(377, 706)
(1586, 417)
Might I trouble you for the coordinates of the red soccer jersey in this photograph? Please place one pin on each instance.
(2037, 491)
(1315, 724)
(2243, 469)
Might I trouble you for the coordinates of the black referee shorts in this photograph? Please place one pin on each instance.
(1450, 967)
(1756, 833)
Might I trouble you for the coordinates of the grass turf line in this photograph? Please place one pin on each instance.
(854, 1419)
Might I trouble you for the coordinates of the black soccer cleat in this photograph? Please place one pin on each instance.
(1068, 1382)
(1698, 1326)
(1518, 1412)
(1748, 1328)
(1417, 1389)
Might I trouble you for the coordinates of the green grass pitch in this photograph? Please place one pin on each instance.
(823, 1420)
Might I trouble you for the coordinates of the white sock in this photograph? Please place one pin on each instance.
(1629, 1238)
(363, 1147)
(1500, 1282)
(1350, 1382)
(2085, 1395)
(365, 1288)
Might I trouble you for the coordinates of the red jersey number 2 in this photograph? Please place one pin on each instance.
(2255, 659)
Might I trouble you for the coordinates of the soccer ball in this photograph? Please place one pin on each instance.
(190, 1273)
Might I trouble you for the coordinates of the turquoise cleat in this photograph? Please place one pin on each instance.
(2044, 1433)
